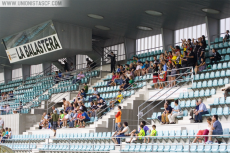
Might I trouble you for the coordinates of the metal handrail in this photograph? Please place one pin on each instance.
(159, 96)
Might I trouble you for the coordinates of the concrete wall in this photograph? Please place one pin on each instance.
(167, 38)
(7, 74)
(19, 122)
(25, 71)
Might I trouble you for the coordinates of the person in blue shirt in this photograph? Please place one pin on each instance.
(59, 74)
(83, 93)
(118, 68)
(164, 65)
(145, 68)
(164, 116)
(202, 111)
(85, 118)
(216, 128)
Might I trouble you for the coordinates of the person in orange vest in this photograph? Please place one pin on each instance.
(118, 117)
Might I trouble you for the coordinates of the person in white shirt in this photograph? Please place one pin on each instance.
(65, 119)
(226, 37)
(138, 69)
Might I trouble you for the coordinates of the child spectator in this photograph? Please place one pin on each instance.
(118, 99)
(153, 133)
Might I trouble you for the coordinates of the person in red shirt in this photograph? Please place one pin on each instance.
(118, 117)
(79, 117)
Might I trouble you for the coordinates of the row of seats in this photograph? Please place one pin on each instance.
(176, 147)
(220, 45)
(212, 75)
(10, 86)
(220, 101)
(33, 137)
(155, 115)
(197, 93)
(217, 40)
(34, 77)
(63, 89)
(15, 81)
(210, 83)
(79, 147)
(220, 111)
(224, 51)
(20, 146)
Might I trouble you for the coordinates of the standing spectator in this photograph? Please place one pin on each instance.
(118, 117)
(202, 111)
(191, 58)
(216, 128)
(215, 56)
(193, 111)
(89, 63)
(201, 51)
(55, 118)
(71, 67)
(1, 123)
(226, 37)
(204, 41)
(175, 112)
(155, 75)
(94, 95)
(79, 77)
(155, 61)
(122, 133)
(226, 90)
(173, 75)
(184, 62)
(118, 99)
(86, 87)
(138, 69)
(113, 61)
(164, 117)
(66, 66)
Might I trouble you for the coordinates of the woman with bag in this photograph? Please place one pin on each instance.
(176, 111)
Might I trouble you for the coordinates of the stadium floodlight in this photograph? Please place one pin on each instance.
(154, 13)
(211, 11)
(95, 16)
(102, 27)
(144, 28)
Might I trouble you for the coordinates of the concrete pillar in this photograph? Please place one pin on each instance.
(167, 38)
(46, 67)
(213, 28)
(7, 74)
(25, 71)
(130, 48)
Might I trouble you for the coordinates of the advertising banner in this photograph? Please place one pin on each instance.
(33, 49)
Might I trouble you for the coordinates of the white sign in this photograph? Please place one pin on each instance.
(163, 95)
(36, 48)
(34, 3)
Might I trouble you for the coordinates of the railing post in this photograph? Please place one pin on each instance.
(29, 145)
(188, 143)
(69, 144)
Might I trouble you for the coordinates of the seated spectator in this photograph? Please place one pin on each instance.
(85, 118)
(126, 67)
(117, 131)
(176, 111)
(226, 91)
(11, 95)
(89, 63)
(53, 108)
(125, 83)
(67, 108)
(118, 80)
(202, 111)
(44, 121)
(86, 87)
(20, 107)
(99, 97)
(57, 78)
(8, 109)
(215, 56)
(164, 117)
(200, 67)
(65, 119)
(79, 117)
(71, 67)
(216, 128)
(193, 111)
(226, 37)
(118, 100)
(83, 94)
(122, 69)
(94, 95)
(59, 74)
(66, 76)
(73, 120)
(145, 68)
(118, 68)
(122, 133)
(153, 133)
(117, 76)
(101, 108)
(93, 107)
(113, 77)
(140, 134)
(191, 61)
(155, 75)
(79, 77)
(82, 107)
(138, 69)
(203, 132)
(134, 61)
(61, 116)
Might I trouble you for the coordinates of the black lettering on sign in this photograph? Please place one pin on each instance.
(56, 43)
(26, 51)
(36, 48)
(22, 54)
(51, 44)
(42, 41)
(39, 45)
(47, 45)
(30, 50)
(18, 54)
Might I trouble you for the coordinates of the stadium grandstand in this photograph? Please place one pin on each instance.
(115, 76)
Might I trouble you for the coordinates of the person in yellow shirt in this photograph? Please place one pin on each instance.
(118, 100)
